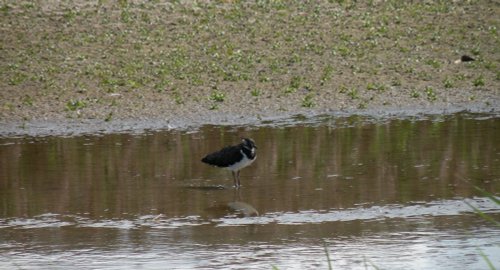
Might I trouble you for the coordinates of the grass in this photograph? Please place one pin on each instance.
(109, 117)
(376, 87)
(490, 264)
(217, 96)
(488, 218)
(478, 81)
(482, 214)
(353, 93)
(256, 92)
(307, 101)
(430, 93)
(74, 105)
(414, 94)
(448, 83)
(328, 259)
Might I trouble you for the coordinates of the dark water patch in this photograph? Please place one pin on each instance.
(207, 188)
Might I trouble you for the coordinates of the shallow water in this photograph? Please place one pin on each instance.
(396, 194)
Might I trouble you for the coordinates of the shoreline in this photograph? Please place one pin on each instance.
(80, 127)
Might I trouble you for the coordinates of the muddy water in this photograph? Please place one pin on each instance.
(394, 194)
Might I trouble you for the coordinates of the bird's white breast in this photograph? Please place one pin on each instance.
(242, 163)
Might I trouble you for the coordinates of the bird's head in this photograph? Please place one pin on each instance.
(249, 144)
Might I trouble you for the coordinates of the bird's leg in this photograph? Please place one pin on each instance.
(238, 177)
(235, 184)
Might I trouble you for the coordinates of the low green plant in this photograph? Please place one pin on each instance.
(5, 9)
(289, 90)
(217, 96)
(476, 51)
(28, 100)
(353, 93)
(343, 89)
(178, 98)
(448, 83)
(375, 86)
(74, 105)
(256, 92)
(17, 78)
(414, 94)
(362, 105)
(431, 94)
(479, 81)
(433, 63)
(307, 101)
(327, 74)
(109, 117)
(295, 83)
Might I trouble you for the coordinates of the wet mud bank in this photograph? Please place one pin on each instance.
(192, 121)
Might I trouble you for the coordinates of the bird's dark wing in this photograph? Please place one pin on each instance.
(225, 157)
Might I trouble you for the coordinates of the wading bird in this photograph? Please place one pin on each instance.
(233, 158)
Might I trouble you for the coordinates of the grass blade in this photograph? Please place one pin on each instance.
(327, 256)
(483, 215)
(487, 194)
(486, 259)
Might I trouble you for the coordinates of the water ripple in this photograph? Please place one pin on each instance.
(413, 210)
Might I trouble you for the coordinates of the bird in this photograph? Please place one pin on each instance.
(233, 158)
(464, 58)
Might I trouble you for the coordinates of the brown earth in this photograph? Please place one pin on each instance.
(85, 66)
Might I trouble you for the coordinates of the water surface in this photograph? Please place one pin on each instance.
(396, 194)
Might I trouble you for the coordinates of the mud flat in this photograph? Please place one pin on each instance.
(97, 66)
(74, 127)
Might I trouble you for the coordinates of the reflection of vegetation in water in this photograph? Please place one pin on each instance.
(358, 159)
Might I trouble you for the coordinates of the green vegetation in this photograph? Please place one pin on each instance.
(479, 81)
(448, 83)
(109, 117)
(143, 49)
(295, 83)
(353, 93)
(256, 92)
(431, 94)
(482, 214)
(74, 105)
(376, 86)
(488, 218)
(414, 94)
(217, 96)
(307, 101)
